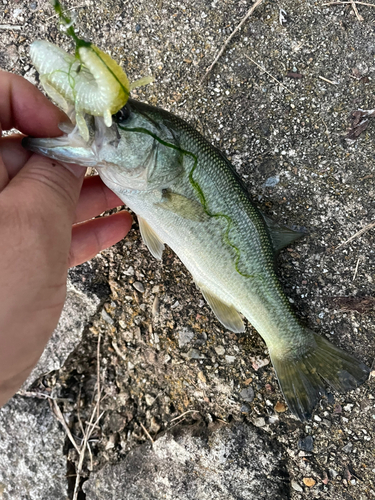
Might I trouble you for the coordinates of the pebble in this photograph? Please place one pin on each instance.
(247, 394)
(202, 377)
(272, 181)
(309, 482)
(107, 318)
(139, 286)
(259, 422)
(149, 399)
(220, 351)
(184, 337)
(230, 359)
(280, 407)
(129, 271)
(332, 473)
(296, 486)
(306, 443)
(348, 447)
(195, 354)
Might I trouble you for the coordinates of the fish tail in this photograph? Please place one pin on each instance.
(303, 377)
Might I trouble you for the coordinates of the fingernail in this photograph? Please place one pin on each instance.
(77, 170)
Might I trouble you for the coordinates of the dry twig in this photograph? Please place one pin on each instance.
(244, 19)
(356, 269)
(10, 27)
(147, 433)
(359, 233)
(185, 413)
(328, 81)
(61, 419)
(269, 74)
(350, 2)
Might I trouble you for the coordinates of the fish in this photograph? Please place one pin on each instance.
(187, 195)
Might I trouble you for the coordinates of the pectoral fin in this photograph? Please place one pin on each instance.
(281, 236)
(227, 315)
(151, 239)
(182, 206)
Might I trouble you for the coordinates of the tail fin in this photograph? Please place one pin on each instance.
(303, 377)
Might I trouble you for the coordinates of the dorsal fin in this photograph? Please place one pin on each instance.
(281, 236)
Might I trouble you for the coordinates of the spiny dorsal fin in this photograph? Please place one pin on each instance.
(281, 236)
(151, 239)
(226, 314)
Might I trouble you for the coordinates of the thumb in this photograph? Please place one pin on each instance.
(48, 188)
(40, 202)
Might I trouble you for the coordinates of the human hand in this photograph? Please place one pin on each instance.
(42, 208)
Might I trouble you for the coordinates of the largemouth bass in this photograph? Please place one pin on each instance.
(187, 195)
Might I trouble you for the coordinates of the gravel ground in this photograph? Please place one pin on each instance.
(162, 353)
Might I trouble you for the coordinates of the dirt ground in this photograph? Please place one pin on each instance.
(284, 125)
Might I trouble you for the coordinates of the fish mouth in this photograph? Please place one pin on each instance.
(58, 148)
(71, 147)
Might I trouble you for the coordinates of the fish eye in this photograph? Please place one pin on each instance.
(122, 115)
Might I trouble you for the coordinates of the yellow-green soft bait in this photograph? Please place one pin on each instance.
(90, 82)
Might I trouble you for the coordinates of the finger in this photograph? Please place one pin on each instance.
(95, 198)
(48, 194)
(4, 178)
(13, 154)
(89, 238)
(24, 107)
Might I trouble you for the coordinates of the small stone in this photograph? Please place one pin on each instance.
(272, 181)
(202, 377)
(195, 354)
(154, 426)
(244, 409)
(107, 318)
(317, 419)
(184, 337)
(332, 473)
(257, 362)
(139, 286)
(122, 324)
(230, 359)
(337, 408)
(348, 447)
(129, 271)
(296, 486)
(280, 407)
(149, 399)
(247, 394)
(306, 444)
(220, 351)
(259, 422)
(309, 482)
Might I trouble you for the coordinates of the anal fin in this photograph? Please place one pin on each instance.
(151, 239)
(226, 314)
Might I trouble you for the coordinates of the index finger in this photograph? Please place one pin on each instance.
(24, 107)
